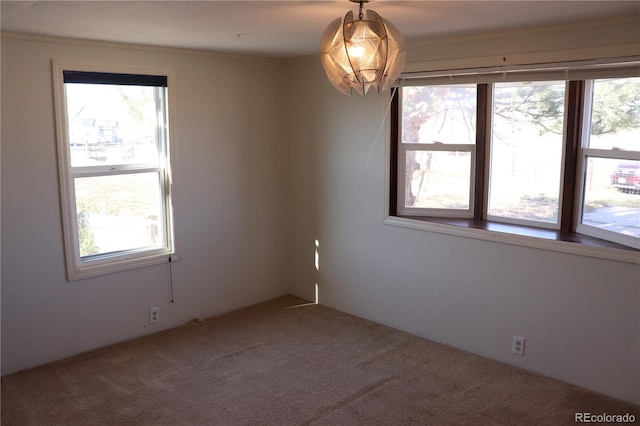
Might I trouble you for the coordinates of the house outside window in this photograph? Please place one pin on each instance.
(553, 150)
(114, 152)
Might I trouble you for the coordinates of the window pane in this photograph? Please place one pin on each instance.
(438, 179)
(111, 124)
(439, 114)
(120, 212)
(615, 119)
(612, 195)
(526, 151)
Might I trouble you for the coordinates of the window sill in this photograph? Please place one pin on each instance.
(88, 270)
(525, 236)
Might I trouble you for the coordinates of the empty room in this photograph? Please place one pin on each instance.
(320, 212)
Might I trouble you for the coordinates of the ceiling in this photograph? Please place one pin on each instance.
(284, 29)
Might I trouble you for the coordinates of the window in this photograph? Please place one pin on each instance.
(609, 161)
(438, 149)
(553, 153)
(525, 154)
(115, 168)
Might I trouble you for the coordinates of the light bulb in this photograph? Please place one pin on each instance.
(356, 51)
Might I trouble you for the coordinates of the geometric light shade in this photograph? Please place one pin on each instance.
(358, 54)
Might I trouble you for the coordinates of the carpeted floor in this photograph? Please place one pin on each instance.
(287, 362)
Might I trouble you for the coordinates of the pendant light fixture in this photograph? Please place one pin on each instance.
(358, 54)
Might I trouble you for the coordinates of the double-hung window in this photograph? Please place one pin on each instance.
(115, 167)
(609, 161)
(550, 152)
(438, 150)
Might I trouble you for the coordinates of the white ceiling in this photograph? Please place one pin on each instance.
(286, 28)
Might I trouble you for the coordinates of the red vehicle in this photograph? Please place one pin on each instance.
(626, 177)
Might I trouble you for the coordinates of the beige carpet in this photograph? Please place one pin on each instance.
(285, 362)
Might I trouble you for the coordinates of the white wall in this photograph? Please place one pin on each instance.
(230, 214)
(580, 315)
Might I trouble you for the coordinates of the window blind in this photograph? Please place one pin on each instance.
(581, 70)
(89, 77)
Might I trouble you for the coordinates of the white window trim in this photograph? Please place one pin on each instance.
(423, 211)
(534, 223)
(401, 165)
(582, 169)
(620, 255)
(77, 269)
(592, 230)
(584, 153)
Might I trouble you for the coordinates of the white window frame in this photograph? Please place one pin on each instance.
(440, 147)
(489, 167)
(423, 211)
(77, 267)
(584, 154)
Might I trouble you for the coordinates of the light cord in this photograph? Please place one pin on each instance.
(384, 117)
(171, 280)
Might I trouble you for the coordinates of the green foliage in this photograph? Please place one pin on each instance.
(542, 106)
(135, 103)
(616, 106)
(86, 240)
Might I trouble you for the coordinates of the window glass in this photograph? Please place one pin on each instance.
(615, 117)
(111, 124)
(439, 114)
(439, 180)
(612, 195)
(526, 151)
(118, 213)
(439, 136)
(611, 152)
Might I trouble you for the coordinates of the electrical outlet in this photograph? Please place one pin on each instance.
(517, 345)
(154, 315)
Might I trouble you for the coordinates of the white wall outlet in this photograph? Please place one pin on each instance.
(517, 345)
(154, 315)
